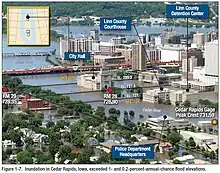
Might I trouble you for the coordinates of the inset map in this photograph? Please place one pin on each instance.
(28, 25)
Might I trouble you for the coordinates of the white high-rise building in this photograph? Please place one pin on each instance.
(171, 53)
(211, 61)
(200, 38)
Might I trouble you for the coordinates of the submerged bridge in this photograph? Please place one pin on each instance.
(26, 54)
(96, 91)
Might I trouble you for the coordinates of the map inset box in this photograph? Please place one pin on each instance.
(28, 25)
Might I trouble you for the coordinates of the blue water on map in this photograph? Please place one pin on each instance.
(32, 38)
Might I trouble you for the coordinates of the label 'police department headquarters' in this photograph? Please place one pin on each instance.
(187, 11)
(122, 23)
(133, 152)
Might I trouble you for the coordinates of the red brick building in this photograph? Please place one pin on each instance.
(34, 104)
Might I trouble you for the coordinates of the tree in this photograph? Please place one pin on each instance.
(186, 143)
(112, 111)
(192, 143)
(192, 129)
(84, 156)
(171, 153)
(50, 124)
(157, 149)
(206, 154)
(176, 148)
(134, 139)
(185, 153)
(176, 162)
(212, 155)
(24, 157)
(104, 158)
(177, 103)
(145, 161)
(64, 152)
(131, 113)
(203, 149)
(45, 159)
(29, 141)
(160, 101)
(125, 113)
(118, 112)
(164, 136)
(216, 151)
(175, 129)
(187, 103)
(174, 138)
(168, 130)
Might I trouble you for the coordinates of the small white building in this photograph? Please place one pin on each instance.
(8, 144)
(187, 159)
(13, 157)
(154, 95)
(157, 123)
(205, 125)
(57, 157)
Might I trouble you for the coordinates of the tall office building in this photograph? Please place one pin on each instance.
(200, 38)
(145, 38)
(138, 56)
(192, 62)
(118, 40)
(168, 33)
(94, 34)
(211, 58)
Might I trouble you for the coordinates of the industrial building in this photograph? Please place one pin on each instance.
(102, 80)
(195, 85)
(179, 97)
(199, 138)
(153, 96)
(157, 123)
